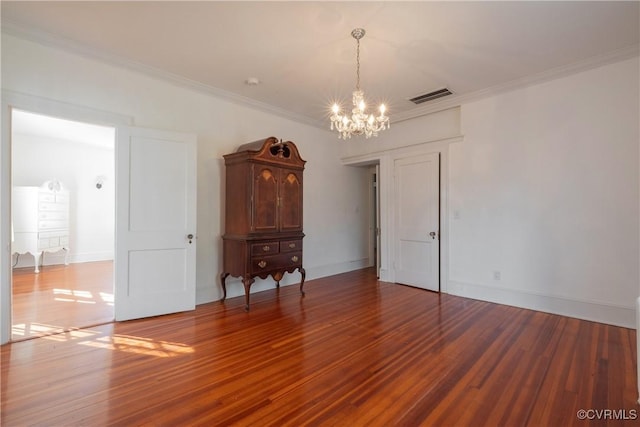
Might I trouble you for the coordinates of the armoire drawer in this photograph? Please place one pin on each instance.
(264, 248)
(276, 262)
(46, 206)
(59, 215)
(62, 198)
(47, 197)
(52, 224)
(53, 198)
(52, 242)
(55, 233)
(291, 245)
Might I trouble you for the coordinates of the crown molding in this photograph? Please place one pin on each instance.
(555, 73)
(21, 31)
(47, 39)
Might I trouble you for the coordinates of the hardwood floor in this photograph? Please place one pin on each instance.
(352, 352)
(61, 298)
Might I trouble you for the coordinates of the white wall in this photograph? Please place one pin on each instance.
(334, 197)
(76, 165)
(544, 186)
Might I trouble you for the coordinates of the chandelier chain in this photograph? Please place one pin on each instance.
(358, 65)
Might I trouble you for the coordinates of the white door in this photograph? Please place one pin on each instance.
(155, 214)
(417, 189)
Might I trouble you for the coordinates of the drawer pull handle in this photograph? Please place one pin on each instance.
(292, 245)
(262, 264)
(294, 258)
(266, 248)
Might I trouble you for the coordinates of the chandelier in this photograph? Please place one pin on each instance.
(360, 123)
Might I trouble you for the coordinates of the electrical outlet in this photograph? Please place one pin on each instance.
(496, 275)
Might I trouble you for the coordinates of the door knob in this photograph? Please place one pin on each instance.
(190, 237)
(432, 234)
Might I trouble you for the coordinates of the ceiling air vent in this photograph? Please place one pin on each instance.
(431, 96)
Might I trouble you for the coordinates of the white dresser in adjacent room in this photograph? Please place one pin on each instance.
(40, 220)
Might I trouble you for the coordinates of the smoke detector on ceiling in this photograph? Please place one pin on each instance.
(252, 81)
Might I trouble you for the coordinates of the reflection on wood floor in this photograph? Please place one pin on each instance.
(353, 351)
(61, 298)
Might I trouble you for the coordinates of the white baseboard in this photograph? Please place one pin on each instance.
(332, 269)
(210, 293)
(587, 310)
(56, 258)
(91, 257)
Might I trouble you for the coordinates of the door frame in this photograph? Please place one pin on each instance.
(374, 216)
(16, 100)
(386, 159)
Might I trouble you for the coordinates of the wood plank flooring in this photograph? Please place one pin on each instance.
(61, 298)
(353, 352)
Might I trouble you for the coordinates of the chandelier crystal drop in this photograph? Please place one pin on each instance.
(360, 123)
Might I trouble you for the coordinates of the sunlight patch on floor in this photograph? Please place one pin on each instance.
(23, 330)
(139, 345)
(98, 339)
(82, 297)
(73, 335)
(49, 332)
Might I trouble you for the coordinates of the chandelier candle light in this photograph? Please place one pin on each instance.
(360, 123)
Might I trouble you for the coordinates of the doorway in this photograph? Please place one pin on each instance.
(63, 224)
(374, 218)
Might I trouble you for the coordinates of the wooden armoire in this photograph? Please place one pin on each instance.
(263, 213)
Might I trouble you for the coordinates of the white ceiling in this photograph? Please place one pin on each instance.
(304, 56)
(30, 124)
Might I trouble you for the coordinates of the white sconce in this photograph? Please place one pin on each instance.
(100, 181)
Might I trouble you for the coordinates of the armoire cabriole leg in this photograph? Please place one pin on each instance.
(303, 274)
(247, 281)
(223, 282)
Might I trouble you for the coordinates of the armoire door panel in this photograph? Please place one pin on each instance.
(291, 201)
(265, 200)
